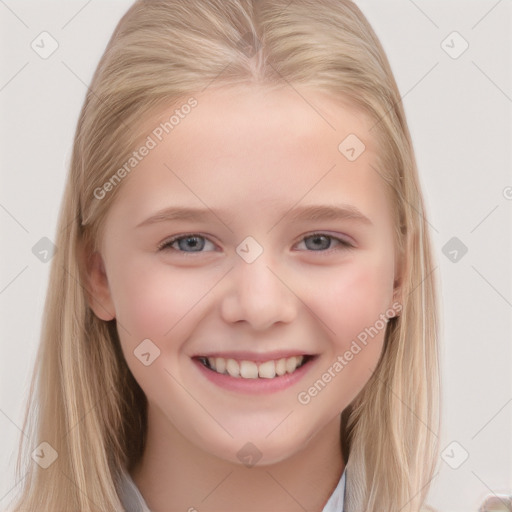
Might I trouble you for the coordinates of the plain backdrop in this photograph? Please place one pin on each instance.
(459, 103)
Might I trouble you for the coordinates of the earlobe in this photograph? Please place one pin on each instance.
(99, 296)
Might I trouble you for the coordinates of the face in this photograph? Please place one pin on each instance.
(249, 262)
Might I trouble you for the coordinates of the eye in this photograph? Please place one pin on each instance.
(193, 242)
(182, 243)
(321, 242)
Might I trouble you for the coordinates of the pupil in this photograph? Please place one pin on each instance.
(318, 240)
(191, 242)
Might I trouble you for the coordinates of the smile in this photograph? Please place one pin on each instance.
(254, 370)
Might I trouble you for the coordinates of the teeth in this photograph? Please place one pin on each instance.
(219, 364)
(281, 367)
(291, 364)
(252, 370)
(233, 368)
(248, 370)
(267, 370)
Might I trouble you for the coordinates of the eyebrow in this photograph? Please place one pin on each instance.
(303, 213)
(324, 212)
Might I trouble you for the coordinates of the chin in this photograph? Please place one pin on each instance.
(259, 452)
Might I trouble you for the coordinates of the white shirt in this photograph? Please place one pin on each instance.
(133, 501)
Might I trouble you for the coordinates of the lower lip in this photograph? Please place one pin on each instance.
(255, 386)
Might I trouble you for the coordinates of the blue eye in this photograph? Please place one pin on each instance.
(322, 242)
(192, 241)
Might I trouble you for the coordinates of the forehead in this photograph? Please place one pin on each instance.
(251, 113)
(272, 147)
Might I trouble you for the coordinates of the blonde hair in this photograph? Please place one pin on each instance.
(83, 399)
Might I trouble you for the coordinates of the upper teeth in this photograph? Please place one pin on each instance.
(252, 370)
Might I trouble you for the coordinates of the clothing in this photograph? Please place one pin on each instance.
(134, 502)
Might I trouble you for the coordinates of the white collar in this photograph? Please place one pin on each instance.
(337, 499)
(133, 501)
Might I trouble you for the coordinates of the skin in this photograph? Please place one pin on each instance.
(254, 154)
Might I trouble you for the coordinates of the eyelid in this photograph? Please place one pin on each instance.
(343, 242)
(169, 241)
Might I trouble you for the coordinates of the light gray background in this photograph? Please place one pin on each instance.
(459, 111)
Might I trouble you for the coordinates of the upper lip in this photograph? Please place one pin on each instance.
(255, 356)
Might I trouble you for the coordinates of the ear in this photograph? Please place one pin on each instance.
(98, 290)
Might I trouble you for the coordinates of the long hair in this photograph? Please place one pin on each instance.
(84, 401)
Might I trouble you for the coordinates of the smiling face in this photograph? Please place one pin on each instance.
(247, 241)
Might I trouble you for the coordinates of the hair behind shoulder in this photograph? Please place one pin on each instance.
(83, 399)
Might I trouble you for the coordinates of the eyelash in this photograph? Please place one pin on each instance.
(166, 244)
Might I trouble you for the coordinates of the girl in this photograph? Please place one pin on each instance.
(241, 313)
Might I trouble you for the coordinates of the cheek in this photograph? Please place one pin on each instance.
(350, 303)
(354, 297)
(151, 297)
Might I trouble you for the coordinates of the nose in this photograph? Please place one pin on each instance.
(258, 295)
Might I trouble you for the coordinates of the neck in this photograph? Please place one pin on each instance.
(175, 475)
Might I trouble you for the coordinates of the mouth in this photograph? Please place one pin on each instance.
(246, 369)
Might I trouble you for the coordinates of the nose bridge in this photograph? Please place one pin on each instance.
(256, 279)
(256, 294)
